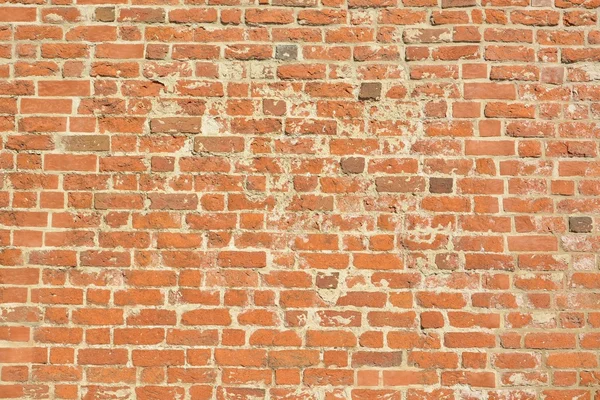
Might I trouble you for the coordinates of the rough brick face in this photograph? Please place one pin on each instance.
(300, 199)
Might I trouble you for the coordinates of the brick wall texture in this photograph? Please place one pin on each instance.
(300, 199)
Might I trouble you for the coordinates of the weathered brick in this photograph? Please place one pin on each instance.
(286, 52)
(365, 199)
(441, 185)
(370, 91)
(86, 143)
(580, 224)
(105, 14)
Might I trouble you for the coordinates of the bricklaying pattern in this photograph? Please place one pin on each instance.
(300, 199)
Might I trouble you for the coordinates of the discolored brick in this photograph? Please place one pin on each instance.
(327, 281)
(105, 14)
(370, 91)
(353, 165)
(86, 143)
(286, 52)
(441, 185)
(580, 224)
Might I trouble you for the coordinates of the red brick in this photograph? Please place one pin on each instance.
(556, 340)
(305, 196)
(207, 317)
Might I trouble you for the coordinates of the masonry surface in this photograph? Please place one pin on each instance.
(300, 199)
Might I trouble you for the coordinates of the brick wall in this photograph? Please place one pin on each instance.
(300, 199)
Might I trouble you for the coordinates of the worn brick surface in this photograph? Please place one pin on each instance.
(300, 199)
